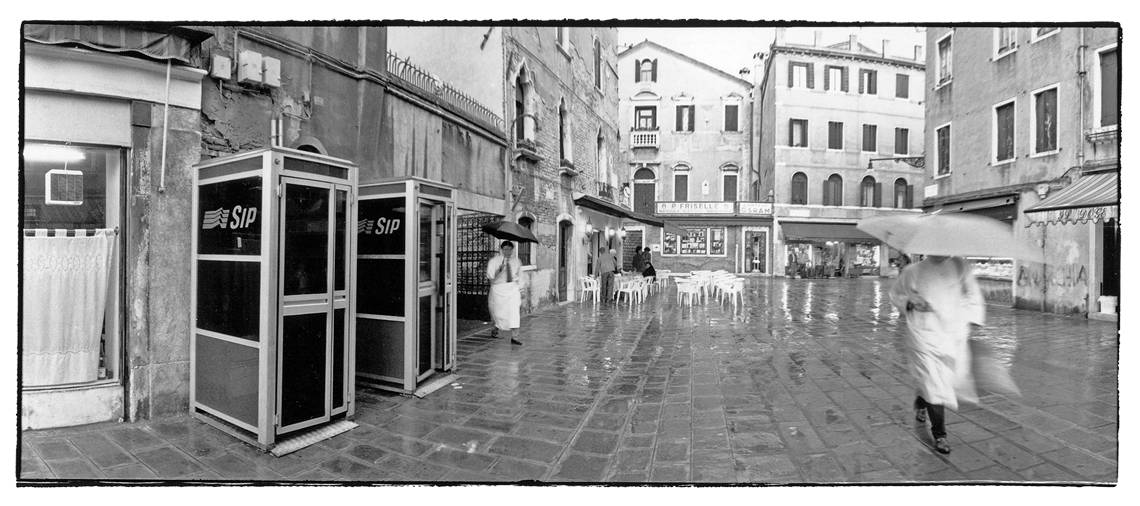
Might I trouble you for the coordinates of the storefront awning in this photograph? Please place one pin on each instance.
(602, 206)
(155, 41)
(655, 221)
(1093, 197)
(824, 232)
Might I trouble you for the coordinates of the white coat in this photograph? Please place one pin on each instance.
(938, 341)
(505, 298)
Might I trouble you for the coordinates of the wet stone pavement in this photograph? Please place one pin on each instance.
(803, 384)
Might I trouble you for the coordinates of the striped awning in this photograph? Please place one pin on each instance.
(161, 42)
(1093, 198)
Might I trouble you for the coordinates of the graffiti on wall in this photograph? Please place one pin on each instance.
(1065, 276)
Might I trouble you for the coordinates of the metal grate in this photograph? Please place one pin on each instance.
(475, 248)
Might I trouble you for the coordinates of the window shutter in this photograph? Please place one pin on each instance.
(692, 113)
(873, 82)
(791, 132)
(636, 71)
(843, 80)
(680, 113)
(909, 196)
(861, 89)
(791, 74)
(826, 192)
(878, 195)
(811, 76)
(826, 77)
(654, 74)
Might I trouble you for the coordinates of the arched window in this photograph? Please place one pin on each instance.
(645, 70)
(525, 247)
(867, 193)
(799, 188)
(597, 63)
(902, 200)
(833, 191)
(563, 132)
(520, 109)
(600, 157)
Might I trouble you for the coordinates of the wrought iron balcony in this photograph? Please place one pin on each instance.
(644, 139)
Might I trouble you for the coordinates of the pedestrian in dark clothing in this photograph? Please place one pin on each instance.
(638, 261)
(645, 259)
(649, 271)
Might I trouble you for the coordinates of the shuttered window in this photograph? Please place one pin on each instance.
(834, 135)
(902, 86)
(1003, 132)
(1045, 121)
(870, 138)
(1109, 87)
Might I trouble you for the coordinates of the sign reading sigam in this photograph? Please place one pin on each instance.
(694, 207)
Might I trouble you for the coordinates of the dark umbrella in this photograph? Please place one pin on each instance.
(509, 231)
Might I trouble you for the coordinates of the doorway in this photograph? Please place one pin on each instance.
(311, 373)
(565, 232)
(756, 251)
(433, 284)
(1110, 264)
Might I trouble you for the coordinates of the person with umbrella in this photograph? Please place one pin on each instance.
(943, 303)
(503, 270)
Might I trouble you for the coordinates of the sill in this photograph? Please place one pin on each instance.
(1035, 39)
(999, 56)
(835, 150)
(683, 131)
(1045, 153)
(797, 147)
(527, 151)
(902, 154)
(942, 176)
(872, 152)
(943, 84)
(997, 163)
(564, 50)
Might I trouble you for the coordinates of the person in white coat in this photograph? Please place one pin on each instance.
(503, 270)
(942, 301)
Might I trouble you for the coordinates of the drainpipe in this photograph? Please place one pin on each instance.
(1082, 78)
(165, 128)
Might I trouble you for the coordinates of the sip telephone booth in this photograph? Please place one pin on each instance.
(273, 292)
(405, 315)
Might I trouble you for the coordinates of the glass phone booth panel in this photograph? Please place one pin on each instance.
(406, 265)
(273, 337)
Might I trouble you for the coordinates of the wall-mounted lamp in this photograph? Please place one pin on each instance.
(621, 233)
(917, 162)
(589, 228)
(609, 231)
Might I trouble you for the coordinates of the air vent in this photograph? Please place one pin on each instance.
(64, 187)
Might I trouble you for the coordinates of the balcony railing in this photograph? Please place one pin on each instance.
(643, 139)
(402, 69)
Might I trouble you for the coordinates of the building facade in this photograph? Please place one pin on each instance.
(1022, 126)
(688, 155)
(561, 98)
(839, 139)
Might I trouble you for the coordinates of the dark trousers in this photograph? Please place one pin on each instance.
(607, 286)
(937, 415)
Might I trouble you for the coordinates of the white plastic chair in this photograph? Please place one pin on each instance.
(734, 291)
(588, 286)
(687, 288)
(630, 288)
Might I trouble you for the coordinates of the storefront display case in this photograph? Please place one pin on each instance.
(406, 260)
(273, 287)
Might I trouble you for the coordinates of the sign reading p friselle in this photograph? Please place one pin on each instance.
(229, 217)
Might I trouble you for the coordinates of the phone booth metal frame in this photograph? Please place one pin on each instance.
(252, 374)
(391, 307)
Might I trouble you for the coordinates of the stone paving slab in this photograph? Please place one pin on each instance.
(806, 383)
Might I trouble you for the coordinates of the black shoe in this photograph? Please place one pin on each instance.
(920, 415)
(941, 445)
(516, 341)
(494, 332)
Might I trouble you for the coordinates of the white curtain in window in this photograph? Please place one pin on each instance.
(65, 295)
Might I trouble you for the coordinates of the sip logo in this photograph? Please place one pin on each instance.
(379, 226)
(238, 217)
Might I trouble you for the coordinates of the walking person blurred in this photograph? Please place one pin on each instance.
(607, 265)
(942, 303)
(503, 270)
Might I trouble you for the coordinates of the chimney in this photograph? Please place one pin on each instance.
(780, 36)
(818, 38)
(853, 43)
(886, 44)
(918, 55)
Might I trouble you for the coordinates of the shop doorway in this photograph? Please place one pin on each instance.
(565, 232)
(756, 251)
(1110, 284)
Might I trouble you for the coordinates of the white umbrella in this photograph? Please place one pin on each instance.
(953, 234)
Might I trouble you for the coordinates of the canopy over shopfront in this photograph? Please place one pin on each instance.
(158, 41)
(1093, 198)
(612, 209)
(824, 232)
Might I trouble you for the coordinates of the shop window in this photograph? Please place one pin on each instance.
(870, 138)
(1004, 124)
(902, 140)
(1108, 84)
(942, 138)
(1044, 123)
(696, 241)
(525, 249)
(645, 117)
(798, 133)
(71, 269)
(833, 191)
(799, 188)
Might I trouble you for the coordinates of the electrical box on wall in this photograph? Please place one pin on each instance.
(249, 67)
(221, 67)
(271, 71)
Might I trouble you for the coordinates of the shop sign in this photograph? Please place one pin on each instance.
(379, 229)
(755, 208)
(930, 191)
(229, 217)
(379, 226)
(1081, 215)
(233, 218)
(694, 208)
